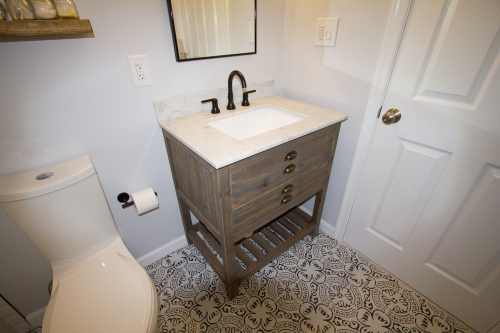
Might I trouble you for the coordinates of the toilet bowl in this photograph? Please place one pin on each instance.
(97, 286)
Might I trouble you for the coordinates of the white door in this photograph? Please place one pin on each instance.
(428, 205)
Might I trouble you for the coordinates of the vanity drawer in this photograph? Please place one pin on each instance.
(258, 174)
(277, 201)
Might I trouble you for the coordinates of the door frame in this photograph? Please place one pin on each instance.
(387, 61)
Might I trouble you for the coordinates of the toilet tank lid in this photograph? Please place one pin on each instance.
(45, 180)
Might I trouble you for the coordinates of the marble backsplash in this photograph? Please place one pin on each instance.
(177, 106)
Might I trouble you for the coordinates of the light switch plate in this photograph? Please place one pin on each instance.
(326, 31)
(140, 70)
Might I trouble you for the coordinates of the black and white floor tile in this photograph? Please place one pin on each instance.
(318, 286)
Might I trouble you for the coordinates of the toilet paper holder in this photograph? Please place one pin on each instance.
(124, 199)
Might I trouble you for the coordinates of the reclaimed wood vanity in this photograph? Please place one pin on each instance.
(247, 210)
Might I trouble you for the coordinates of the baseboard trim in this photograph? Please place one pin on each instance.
(181, 241)
(162, 251)
(36, 318)
(325, 226)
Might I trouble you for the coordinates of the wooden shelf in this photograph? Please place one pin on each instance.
(273, 239)
(22, 28)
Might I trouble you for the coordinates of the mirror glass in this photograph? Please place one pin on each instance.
(204, 29)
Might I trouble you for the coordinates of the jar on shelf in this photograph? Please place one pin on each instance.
(44, 9)
(66, 9)
(20, 9)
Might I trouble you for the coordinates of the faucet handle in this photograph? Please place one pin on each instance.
(245, 98)
(215, 104)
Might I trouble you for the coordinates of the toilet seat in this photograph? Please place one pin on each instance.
(112, 294)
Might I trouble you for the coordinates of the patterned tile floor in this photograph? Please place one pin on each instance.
(318, 286)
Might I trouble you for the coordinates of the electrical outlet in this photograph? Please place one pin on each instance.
(140, 70)
(326, 31)
(141, 76)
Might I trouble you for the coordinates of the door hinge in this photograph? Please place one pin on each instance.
(379, 111)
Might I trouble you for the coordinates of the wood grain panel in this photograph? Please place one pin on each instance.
(196, 182)
(44, 27)
(234, 207)
(262, 209)
(255, 175)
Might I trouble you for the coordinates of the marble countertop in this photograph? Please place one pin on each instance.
(220, 149)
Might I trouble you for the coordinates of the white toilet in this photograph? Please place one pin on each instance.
(98, 286)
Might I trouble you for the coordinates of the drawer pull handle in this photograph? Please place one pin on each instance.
(287, 189)
(291, 156)
(286, 199)
(290, 168)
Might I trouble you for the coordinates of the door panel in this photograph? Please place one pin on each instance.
(469, 253)
(428, 205)
(449, 56)
(409, 186)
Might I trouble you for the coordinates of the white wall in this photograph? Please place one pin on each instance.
(337, 78)
(65, 98)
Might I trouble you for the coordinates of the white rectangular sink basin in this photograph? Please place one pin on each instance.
(245, 124)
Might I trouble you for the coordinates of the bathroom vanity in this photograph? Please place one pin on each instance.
(245, 192)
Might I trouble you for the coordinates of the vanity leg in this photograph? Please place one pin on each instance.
(187, 222)
(232, 283)
(317, 212)
(321, 195)
(227, 232)
(229, 263)
(228, 255)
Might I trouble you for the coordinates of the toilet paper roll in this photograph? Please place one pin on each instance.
(144, 201)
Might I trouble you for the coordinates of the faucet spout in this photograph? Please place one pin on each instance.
(230, 101)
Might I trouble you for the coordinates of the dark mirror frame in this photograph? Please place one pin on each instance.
(174, 37)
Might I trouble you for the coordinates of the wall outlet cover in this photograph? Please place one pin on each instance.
(140, 70)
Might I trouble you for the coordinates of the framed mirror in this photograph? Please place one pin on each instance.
(204, 29)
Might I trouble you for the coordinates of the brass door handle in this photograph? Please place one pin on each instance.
(286, 199)
(287, 189)
(290, 168)
(392, 116)
(291, 156)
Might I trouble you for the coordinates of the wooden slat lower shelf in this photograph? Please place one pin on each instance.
(207, 253)
(262, 242)
(276, 251)
(280, 231)
(44, 27)
(243, 256)
(273, 246)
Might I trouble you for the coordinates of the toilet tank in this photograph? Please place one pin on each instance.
(61, 208)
